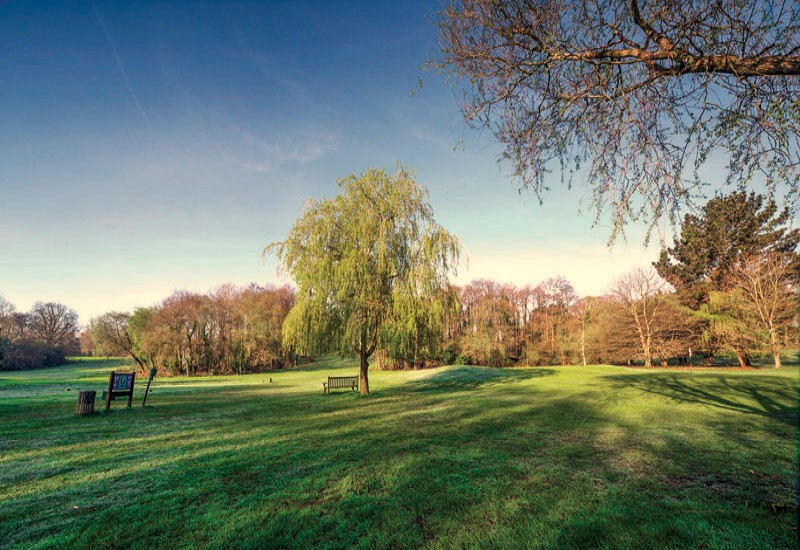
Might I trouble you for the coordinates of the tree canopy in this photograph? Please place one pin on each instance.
(634, 97)
(39, 338)
(728, 229)
(365, 262)
(53, 323)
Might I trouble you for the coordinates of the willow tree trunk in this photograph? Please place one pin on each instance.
(364, 380)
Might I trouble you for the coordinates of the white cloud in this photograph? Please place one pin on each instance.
(246, 165)
(253, 153)
(429, 136)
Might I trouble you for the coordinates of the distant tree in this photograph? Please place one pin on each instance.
(502, 324)
(6, 320)
(583, 311)
(728, 229)
(732, 325)
(231, 330)
(359, 260)
(419, 339)
(112, 337)
(6, 308)
(767, 284)
(632, 96)
(678, 331)
(611, 334)
(248, 327)
(554, 300)
(176, 334)
(137, 327)
(40, 338)
(86, 343)
(490, 323)
(53, 324)
(642, 293)
(17, 326)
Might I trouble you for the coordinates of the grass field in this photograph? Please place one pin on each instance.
(552, 457)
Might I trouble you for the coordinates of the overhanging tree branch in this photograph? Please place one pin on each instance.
(633, 99)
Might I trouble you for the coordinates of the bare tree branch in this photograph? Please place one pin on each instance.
(633, 99)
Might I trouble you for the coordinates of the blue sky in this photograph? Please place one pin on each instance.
(152, 146)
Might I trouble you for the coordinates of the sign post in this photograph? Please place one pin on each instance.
(120, 384)
(147, 389)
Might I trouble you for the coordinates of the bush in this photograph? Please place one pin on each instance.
(497, 359)
(449, 356)
(30, 354)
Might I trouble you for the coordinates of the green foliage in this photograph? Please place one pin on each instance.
(483, 348)
(729, 228)
(137, 326)
(734, 327)
(414, 334)
(457, 457)
(708, 268)
(369, 265)
(449, 355)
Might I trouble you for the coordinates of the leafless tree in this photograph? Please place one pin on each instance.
(633, 96)
(642, 293)
(86, 343)
(582, 311)
(52, 323)
(768, 285)
(6, 307)
(7, 310)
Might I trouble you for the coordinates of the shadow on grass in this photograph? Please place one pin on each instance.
(421, 464)
(470, 377)
(325, 363)
(768, 396)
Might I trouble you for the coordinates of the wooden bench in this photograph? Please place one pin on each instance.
(340, 382)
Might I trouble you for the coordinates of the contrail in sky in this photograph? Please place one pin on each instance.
(119, 61)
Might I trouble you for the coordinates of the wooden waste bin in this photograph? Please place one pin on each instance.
(85, 403)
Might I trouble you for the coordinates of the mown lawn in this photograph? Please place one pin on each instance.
(552, 457)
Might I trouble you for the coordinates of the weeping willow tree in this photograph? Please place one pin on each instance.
(366, 263)
(415, 334)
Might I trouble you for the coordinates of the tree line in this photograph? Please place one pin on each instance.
(231, 330)
(41, 337)
(728, 287)
(372, 271)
